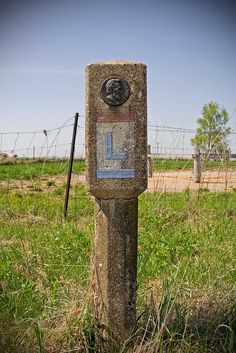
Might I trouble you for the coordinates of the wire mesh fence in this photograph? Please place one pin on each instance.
(47, 143)
(32, 155)
(173, 158)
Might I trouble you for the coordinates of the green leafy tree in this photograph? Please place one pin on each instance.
(212, 133)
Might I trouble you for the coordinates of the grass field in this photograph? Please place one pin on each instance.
(186, 272)
(178, 164)
(29, 169)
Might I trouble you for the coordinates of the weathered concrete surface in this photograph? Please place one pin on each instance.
(114, 177)
(116, 264)
(116, 173)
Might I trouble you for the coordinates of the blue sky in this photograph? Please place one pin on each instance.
(189, 48)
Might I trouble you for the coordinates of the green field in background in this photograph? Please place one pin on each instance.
(30, 169)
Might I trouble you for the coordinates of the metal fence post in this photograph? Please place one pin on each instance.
(149, 162)
(197, 164)
(70, 164)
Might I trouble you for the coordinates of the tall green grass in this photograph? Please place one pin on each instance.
(186, 273)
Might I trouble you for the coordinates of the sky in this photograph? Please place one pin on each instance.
(189, 48)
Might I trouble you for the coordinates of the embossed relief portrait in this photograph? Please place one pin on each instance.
(115, 91)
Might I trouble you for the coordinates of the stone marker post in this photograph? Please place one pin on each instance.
(197, 164)
(116, 160)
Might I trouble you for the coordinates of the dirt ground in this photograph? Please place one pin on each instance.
(213, 180)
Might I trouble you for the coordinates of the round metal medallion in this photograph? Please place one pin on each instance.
(115, 91)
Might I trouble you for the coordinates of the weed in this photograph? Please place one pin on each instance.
(51, 183)
(186, 273)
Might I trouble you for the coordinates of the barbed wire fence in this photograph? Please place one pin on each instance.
(46, 143)
(173, 160)
(171, 155)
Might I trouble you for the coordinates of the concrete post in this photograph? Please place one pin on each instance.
(149, 162)
(116, 173)
(116, 263)
(197, 164)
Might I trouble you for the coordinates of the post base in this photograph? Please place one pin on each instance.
(116, 264)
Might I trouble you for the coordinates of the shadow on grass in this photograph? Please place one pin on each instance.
(168, 327)
(174, 327)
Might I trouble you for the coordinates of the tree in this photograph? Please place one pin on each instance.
(212, 133)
